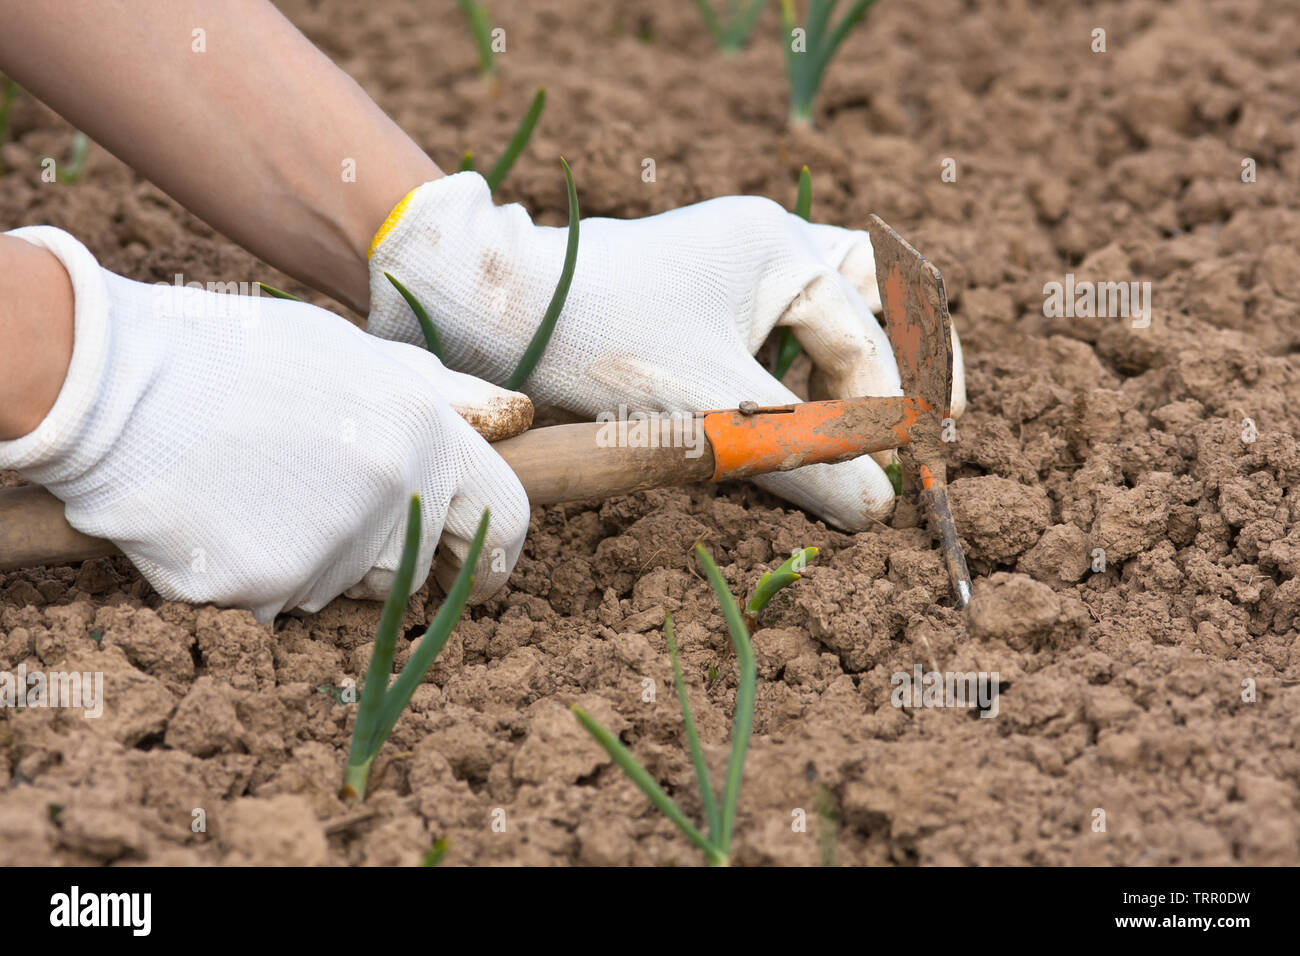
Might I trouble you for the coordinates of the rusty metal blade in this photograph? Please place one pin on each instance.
(916, 316)
(917, 321)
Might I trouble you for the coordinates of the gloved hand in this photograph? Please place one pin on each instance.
(664, 313)
(258, 452)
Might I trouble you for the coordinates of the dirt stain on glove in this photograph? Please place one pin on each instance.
(500, 417)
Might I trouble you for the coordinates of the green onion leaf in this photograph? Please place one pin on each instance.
(277, 293)
(692, 736)
(366, 738)
(743, 719)
(804, 70)
(421, 315)
(8, 93)
(803, 200)
(788, 347)
(436, 853)
(479, 27)
(732, 35)
(381, 705)
(72, 169)
(435, 636)
(496, 176)
(641, 777)
(773, 581)
(787, 350)
(894, 471)
(542, 337)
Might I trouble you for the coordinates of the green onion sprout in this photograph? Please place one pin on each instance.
(497, 174)
(719, 815)
(421, 315)
(773, 581)
(732, 29)
(788, 347)
(523, 132)
(277, 293)
(479, 27)
(76, 163)
(381, 704)
(8, 93)
(808, 56)
(894, 472)
(542, 337)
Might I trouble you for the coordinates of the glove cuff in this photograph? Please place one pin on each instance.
(483, 273)
(390, 223)
(56, 450)
(411, 245)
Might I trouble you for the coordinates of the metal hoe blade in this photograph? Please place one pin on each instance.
(916, 319)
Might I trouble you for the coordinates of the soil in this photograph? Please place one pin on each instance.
(1162, 689)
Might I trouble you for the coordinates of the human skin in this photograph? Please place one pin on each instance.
(35, 334)
(250, 135)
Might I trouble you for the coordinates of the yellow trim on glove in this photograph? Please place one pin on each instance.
(391, 222)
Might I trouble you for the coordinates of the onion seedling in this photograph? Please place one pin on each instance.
(773, 581)
(719, 814)
(381, 704)
(421, 315)
(498, 173)
(277, 293)
(477, 15)
(810, 49)
(436, 853)
(788, 347)
(803, 198)
(894, 472)
(8, 93)
(732, 28)
(542, 337)
(76, 158)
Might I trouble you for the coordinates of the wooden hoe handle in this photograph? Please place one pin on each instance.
(573, 462)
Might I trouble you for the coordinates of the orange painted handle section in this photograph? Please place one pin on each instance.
(789, 436)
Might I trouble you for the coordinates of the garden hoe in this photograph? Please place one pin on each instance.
(597, 460)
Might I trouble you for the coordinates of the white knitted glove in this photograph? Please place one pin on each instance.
(258, 452)
(664, 313)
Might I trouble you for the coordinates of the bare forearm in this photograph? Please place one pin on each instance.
(254, 134)
(35, 334)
